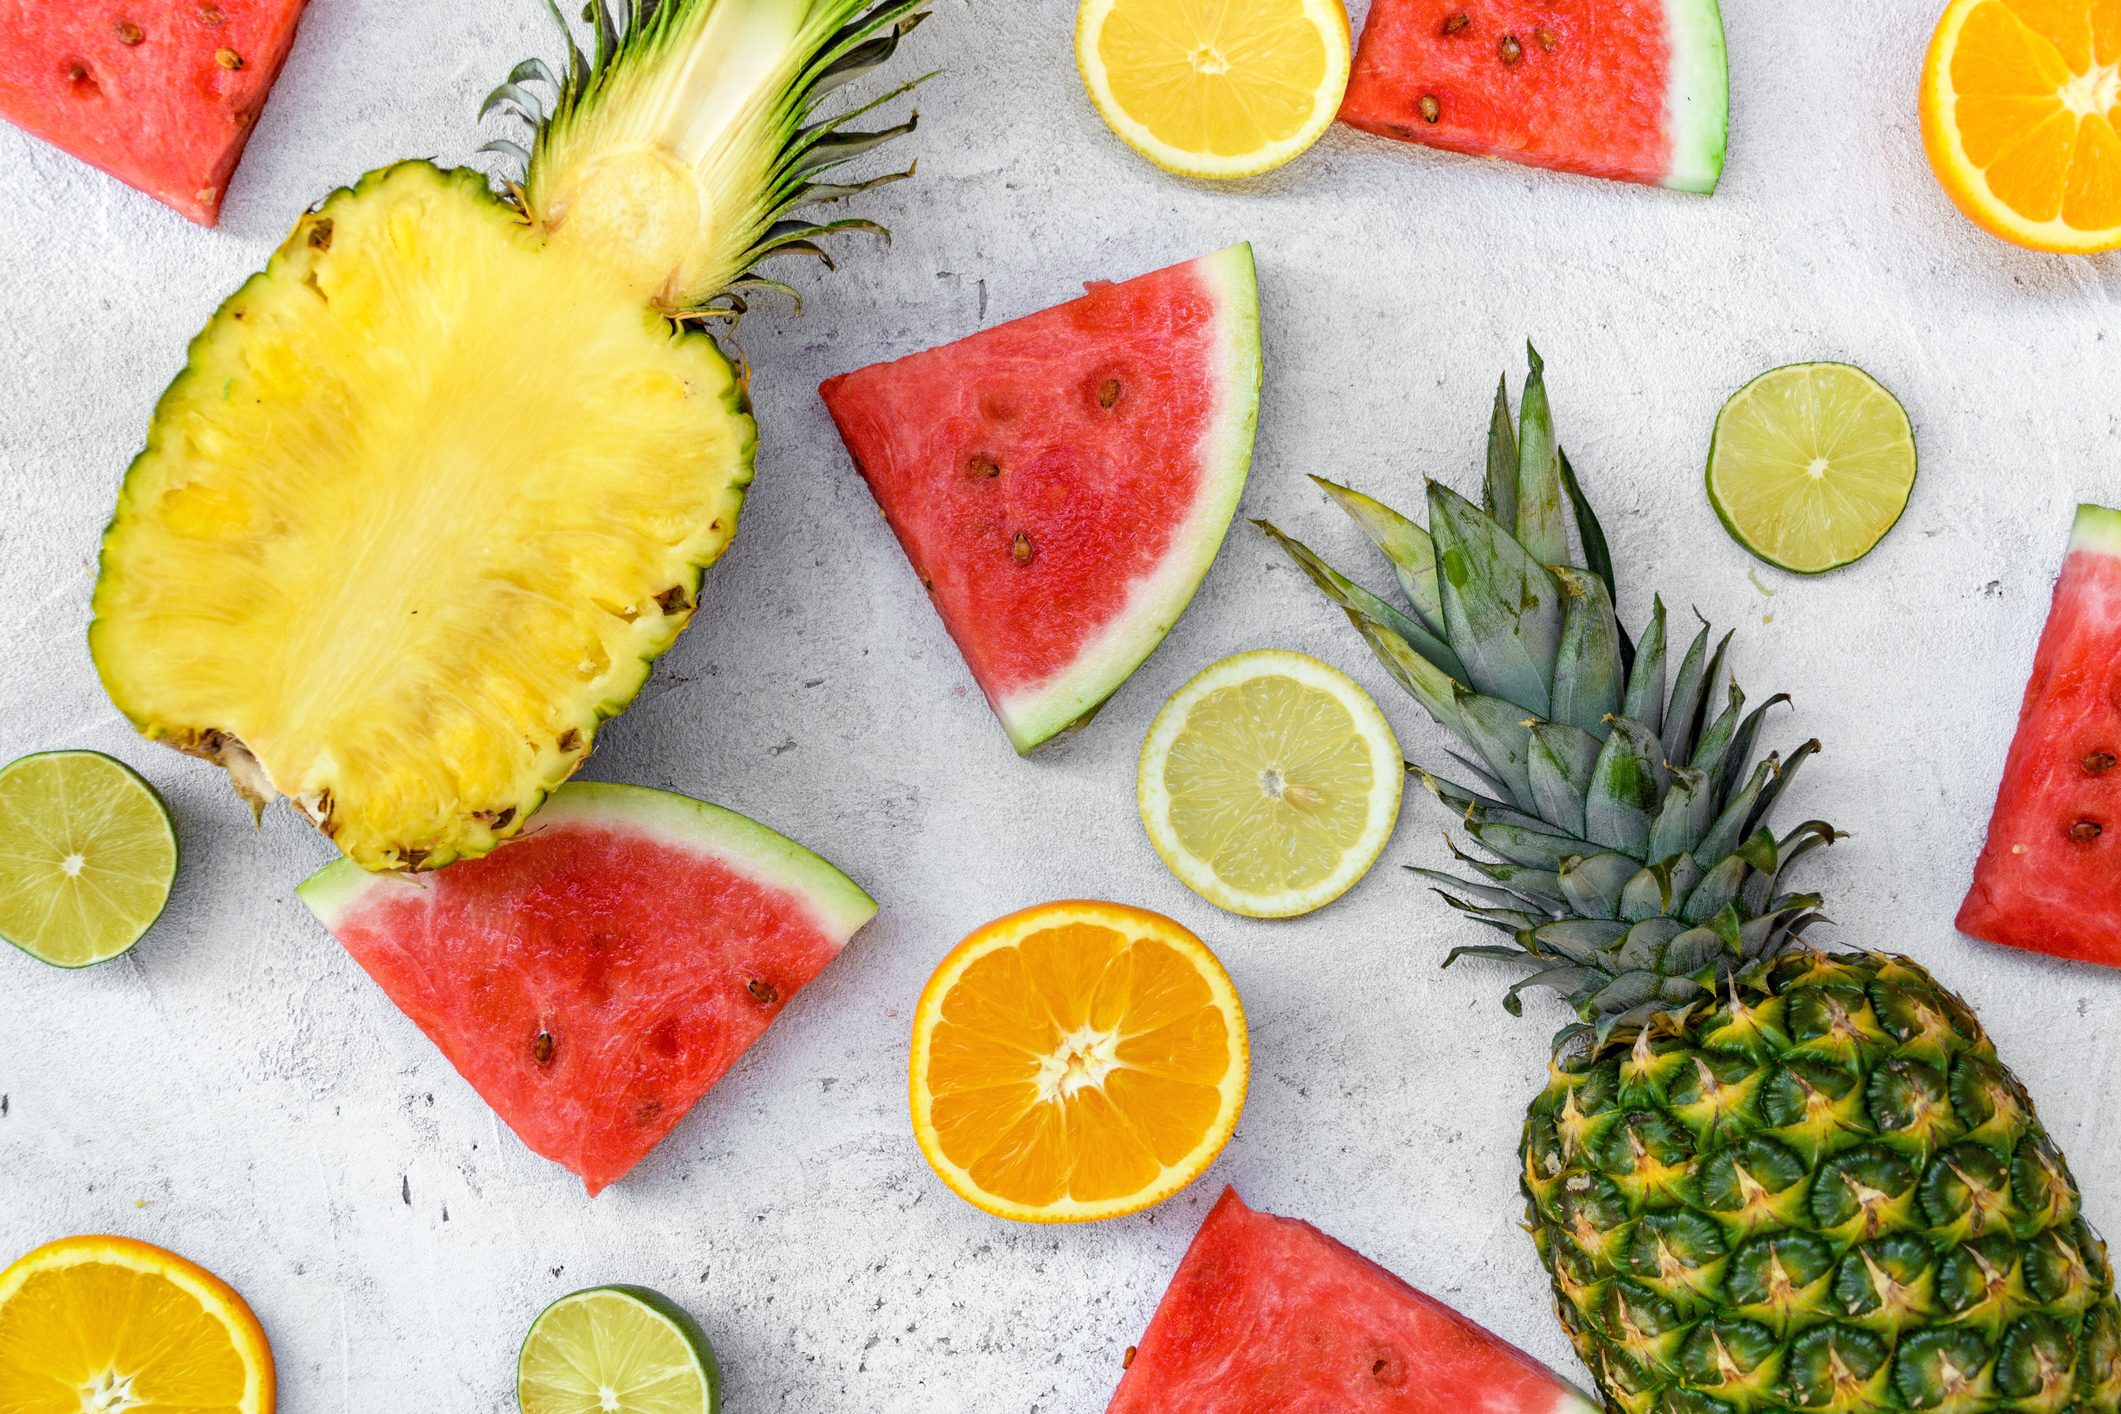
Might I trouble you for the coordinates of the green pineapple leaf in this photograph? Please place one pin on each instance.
(1405, 546)
(1501, 607)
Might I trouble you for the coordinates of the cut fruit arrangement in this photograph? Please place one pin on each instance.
(501, 422)
(1062, 482)
(161, 94)
(1760, 1175)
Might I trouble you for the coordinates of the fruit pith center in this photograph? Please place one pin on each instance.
(112, 1393)
(1207, 59)
(1080, 1062)
(2095, 91)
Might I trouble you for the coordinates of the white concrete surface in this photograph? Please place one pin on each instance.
(238, 1090)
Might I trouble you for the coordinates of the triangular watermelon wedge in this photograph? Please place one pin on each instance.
(2049, 879)
(1636, 90)
(1269, 1315)
(161, 94)
(595, 977)
(1062, 482)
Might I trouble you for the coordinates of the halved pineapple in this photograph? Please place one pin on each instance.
(437, 486)
(425, 504)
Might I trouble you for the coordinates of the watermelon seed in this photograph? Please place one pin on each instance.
(2099, 762)
(1108, 394)
(129, 33)
(2085, 830)
(1512, 51)
(984, 468)
(211, 16)
(77, 72)
(542, 1048)
(1454, 23)
(1431, 110)
(1127, 1361)
(1548, 40)
(762, 991)
(228, 58)
(1020, 548)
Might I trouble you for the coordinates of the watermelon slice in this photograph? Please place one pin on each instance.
(161, 94)
(1062, 482)
(2050, 876)
(1632, 89)
(1268, 1315)
(594, 978)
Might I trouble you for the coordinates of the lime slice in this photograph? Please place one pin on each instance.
(87, 855)
(1811, 465)
(1270, 783)
(617, 1350)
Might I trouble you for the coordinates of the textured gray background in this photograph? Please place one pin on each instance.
(237, 1090)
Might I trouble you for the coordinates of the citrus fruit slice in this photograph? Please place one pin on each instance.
(1076, 1061)
(1811, 465)
(2019, 105)
(1270, 783)
(1214, 88)
(87, 856)
(96, 1323)
(617, 1350)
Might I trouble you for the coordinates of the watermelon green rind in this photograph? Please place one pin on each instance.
(1699, 95)
(2096, 529)
(1072, 698)
(839, 904)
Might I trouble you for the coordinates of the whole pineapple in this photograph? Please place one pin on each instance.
(1762, 1176)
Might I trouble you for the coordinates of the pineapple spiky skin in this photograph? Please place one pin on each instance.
(1824, 1193)
(1763, 1177)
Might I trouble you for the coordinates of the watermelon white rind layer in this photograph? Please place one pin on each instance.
(838, 904)
(1070, 698)
(2097, 530)
(1697, 95)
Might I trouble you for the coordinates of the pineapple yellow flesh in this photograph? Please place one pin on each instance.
(429, 498)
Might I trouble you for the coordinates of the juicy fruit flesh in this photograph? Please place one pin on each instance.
(87, 857)
(423, 507)
(104, 1323)
(1579, 85)
(1270, 783)
(1824, 1194)
(1060, 483)
(1208, 84)
(1267, 1315)
(1811, 466)
(607, 1350)
(163, 96)
(2045, 877)
(591, 980)
(2023, 118)
(1083, 1066)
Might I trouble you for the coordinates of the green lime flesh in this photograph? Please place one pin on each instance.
(1811, 464)
(87, 857)
(617, 1350)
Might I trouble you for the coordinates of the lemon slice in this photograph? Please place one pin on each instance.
(622, 1349)
(1811, 465)
(87, 856)
(1270, 783)
(1214, 88)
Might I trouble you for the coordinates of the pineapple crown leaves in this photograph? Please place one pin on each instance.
(836, 42)
(1631, 862)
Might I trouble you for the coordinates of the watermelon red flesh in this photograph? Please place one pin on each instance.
(595, 978)
(1061, 483)
(161, 94)
(2049, 878)
(1268, 1315)
(1631, 89)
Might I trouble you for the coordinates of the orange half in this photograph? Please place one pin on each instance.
(110, 1323)
(1077, 1061)
(2020, 101)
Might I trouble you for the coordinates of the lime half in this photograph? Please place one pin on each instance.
(617, 1350)
(87, 856)
(1811, 465)
(1270, 784)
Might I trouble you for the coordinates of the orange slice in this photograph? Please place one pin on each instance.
(1077, 1061)
(109, 1323)
(2020, 99)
